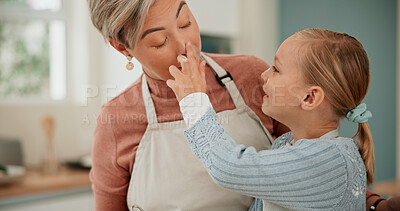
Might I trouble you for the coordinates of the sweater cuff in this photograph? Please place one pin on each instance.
(193, 107)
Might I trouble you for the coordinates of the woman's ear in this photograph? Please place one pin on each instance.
(313, 98)
(119, 47)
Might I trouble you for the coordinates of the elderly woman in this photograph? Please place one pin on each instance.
(141, 160)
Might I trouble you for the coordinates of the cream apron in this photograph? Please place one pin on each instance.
(167, 176)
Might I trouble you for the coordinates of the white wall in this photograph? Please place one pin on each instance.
(115, 76)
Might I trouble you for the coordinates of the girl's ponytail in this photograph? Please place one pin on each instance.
(360, 115)
(366, 149)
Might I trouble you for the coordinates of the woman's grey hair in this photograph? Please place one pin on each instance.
(120, 20)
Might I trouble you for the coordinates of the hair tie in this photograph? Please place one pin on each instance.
(360, 114)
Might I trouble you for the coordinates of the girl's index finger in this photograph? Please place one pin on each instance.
(190, 51)
(183, 60)
(191, 55)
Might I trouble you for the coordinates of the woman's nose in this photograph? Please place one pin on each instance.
(181, 45)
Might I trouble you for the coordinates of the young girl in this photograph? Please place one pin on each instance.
(318, 77)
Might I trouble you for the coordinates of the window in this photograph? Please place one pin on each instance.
(32, 49)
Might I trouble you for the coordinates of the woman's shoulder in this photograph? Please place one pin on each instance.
(128, 97)
(125, 111)
(120, 125)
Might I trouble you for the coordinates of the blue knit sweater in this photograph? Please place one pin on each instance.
(313, 174)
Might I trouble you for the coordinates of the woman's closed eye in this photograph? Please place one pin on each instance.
(163, 44)
(166, 38)
(186, 25)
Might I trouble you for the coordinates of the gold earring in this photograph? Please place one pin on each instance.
(130, 65)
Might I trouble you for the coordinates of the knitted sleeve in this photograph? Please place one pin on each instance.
(257, 205)
(306, 176)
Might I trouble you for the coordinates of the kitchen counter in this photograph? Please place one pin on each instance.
(388, 188)
(36, 185)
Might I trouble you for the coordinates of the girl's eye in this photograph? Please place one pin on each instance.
(274, 69)
(162, 45)
(186, 26)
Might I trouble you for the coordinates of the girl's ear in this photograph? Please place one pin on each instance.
(119, 47)
(313, 98)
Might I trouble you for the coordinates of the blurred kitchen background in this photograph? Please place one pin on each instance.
(56, 71)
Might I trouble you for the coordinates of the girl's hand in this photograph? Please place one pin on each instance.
(192, 77)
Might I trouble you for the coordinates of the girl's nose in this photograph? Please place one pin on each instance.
(264, 75)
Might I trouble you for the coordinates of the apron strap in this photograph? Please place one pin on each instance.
(148, 102)
(224, 78)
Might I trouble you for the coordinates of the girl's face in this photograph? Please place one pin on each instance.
(284, 87)
(169, 25)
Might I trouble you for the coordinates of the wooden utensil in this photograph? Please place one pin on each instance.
(48, 125)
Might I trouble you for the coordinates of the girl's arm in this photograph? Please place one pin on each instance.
(293, 177)
(256, 205)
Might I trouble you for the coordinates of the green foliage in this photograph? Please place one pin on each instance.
(24, 72)
(14, 2)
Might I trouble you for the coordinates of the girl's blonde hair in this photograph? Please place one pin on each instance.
(120, 20)
(338, 63)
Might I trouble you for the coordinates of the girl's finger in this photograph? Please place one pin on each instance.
(174, 71)
(185, 63)
(202, 66)
(171, 84)
(182, 59)
(191, 54)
